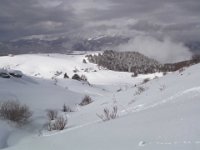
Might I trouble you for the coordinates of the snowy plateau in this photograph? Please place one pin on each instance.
(161, 114)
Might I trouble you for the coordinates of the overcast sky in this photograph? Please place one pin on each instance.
(177, 19)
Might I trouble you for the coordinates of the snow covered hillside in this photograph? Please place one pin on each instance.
(161, 114)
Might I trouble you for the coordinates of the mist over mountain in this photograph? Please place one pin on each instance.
(164, 51)
(194, 46)
(65, 44)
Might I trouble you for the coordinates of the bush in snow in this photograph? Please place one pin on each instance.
(83, 78)
(14, 111)
(58, 73)
(52, 114)
(84, 61)
(16, 73)
(107, 115)
(4, 73)
(66, 109)
(58, 124)
(66, 76)
(79, 78)
(146, 80)
(86, 100)
(140, 90)
(76, 77)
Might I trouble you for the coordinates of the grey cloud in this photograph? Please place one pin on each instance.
(25, 17)
(152, 17)
(146, 26)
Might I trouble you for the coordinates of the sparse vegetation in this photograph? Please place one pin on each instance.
(66, 108)
(58, 73)
(140, 90)
(146, 80)
(66, 76)
(84, 61)
(10, 73)
(83, 78)
(86, 100)
(4, 75)
(76, 77)
(52, 114)
(119, 90)
(79, 78)
(58, 124)
(15, 112)
(108, 115)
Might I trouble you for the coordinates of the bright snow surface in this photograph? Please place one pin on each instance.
(165, 116)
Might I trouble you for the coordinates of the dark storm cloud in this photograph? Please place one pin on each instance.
(178, 19)
(163, 17)
(26, 17)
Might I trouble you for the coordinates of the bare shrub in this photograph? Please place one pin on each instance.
(84, 61)
(86, 100)
(83, 78)
(14, 111)
(58, 73)
(146, 80)
(140, 90)
(119, 90)
(4, 75)
(107, 115)
(65, 75)
(76, 77)
(66, 108)
(52, 114)
(58, 124)
(79, 78)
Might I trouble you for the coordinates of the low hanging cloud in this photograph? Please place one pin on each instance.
(165, 51)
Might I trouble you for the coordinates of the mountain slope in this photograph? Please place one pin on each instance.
(164, 115)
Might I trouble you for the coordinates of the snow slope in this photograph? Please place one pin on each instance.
(164, 116)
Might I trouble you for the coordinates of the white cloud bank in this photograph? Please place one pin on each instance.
(165, 51)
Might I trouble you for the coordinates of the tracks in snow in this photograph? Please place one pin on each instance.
(126, 111)
(143, 143)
